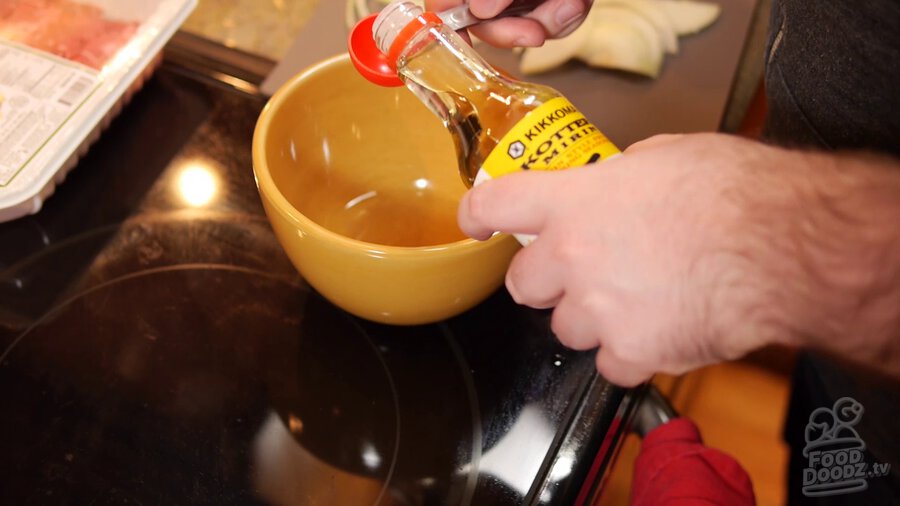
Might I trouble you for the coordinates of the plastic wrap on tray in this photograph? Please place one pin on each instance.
(66, 69)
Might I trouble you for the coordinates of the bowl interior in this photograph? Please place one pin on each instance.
(366, 162)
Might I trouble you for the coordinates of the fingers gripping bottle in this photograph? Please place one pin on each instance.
(498, 125)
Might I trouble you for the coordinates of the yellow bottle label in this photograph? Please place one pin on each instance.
(554, 136)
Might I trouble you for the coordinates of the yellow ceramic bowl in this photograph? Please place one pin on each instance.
(361, 185)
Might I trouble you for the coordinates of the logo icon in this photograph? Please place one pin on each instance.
(835, 451)
(516, 149)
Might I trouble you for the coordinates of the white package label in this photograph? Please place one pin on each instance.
(38, 94)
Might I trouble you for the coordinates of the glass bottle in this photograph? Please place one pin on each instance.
(499, 125)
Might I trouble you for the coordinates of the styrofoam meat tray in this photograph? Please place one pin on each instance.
(67, 67)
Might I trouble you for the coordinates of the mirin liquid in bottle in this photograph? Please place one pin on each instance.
(499, 125)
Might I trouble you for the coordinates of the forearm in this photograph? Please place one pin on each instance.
(830, 229)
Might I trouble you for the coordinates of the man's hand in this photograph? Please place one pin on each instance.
(695, 249)
(552, 19)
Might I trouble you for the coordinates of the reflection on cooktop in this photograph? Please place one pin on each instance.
(182, 371)
(200, 382)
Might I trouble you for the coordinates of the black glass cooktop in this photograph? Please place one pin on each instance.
(156, 347)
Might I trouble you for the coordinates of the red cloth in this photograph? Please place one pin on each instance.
(674, 468)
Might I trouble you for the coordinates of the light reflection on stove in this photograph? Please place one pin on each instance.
(295, 424)
(198, 183)
(370, 457)
(517, 464)
(287, 473)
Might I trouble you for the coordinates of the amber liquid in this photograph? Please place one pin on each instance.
(393, 207)
(409, 217)
(476, 103)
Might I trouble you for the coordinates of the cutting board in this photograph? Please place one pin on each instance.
(690, 95)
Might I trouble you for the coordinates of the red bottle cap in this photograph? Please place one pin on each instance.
(369, 61)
